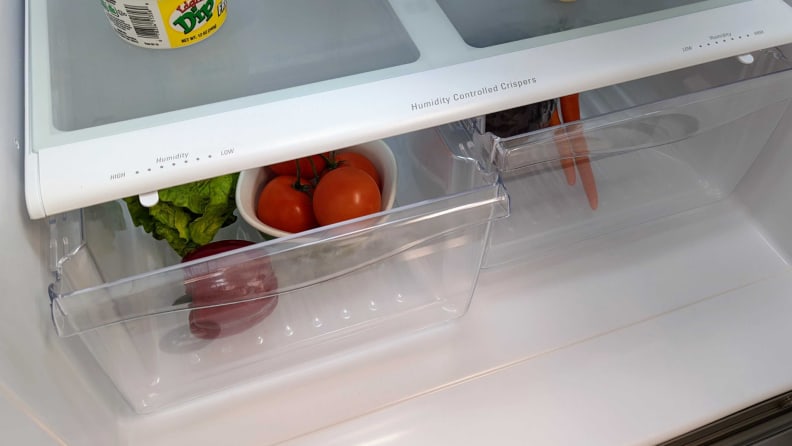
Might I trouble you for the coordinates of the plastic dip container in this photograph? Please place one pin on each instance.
(165, 23)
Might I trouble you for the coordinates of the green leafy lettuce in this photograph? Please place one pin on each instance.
(188, 216)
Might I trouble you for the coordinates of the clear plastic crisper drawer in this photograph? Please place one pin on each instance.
(642, 150)
(323, 290)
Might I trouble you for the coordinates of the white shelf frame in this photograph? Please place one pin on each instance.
(70, 170)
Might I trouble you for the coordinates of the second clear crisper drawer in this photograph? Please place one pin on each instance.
(627, 164)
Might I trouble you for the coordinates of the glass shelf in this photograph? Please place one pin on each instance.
(286, 79)
(263, 47)
(514, 20)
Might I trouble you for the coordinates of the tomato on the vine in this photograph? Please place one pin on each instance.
(310, 167)
(285, 205)
(345, 193)
(354, 159)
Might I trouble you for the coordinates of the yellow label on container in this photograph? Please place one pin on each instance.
(190, 21)
(165, 23)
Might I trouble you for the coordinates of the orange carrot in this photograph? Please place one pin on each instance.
(564, 149)
(570, 107)
(570, 112)
(583, 164)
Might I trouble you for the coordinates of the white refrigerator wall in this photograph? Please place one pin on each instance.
(765, 191)
(43, 399)
(51, 392)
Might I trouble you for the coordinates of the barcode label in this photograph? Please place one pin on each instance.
(143, 22)
(164, 23)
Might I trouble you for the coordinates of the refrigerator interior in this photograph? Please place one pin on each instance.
(666, 257)
(734, 247)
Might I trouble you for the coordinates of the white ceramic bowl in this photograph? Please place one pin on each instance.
(253, 180)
